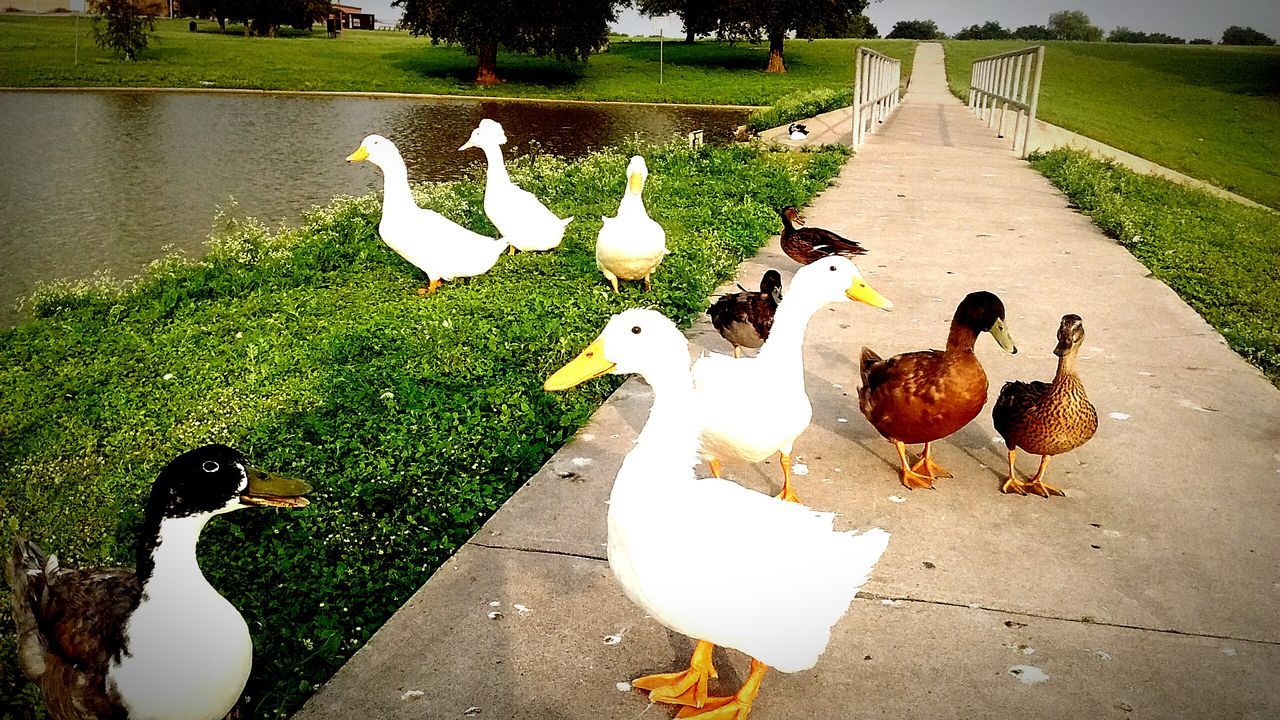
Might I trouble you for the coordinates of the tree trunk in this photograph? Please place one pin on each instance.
(775, 52)
(487, 68)
(222, 24)
(688, 36)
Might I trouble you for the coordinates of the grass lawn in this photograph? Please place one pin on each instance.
(39, 52)
(1212, 112)
(310, 350)
(1220, 256)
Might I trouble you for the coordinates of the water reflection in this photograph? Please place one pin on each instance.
(107, 180)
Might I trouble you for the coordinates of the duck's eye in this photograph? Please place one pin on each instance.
(211, 466)
(833, 268)
(635, 330)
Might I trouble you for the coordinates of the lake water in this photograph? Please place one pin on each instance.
(107, 180)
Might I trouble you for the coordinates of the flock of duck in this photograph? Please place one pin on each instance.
(118, 643)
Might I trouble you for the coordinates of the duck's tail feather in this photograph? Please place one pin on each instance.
(564, 222)
(29, 571)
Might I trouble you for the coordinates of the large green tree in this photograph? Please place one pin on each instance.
(562, 29)
(122, 26)
(1236, 35)
(1073, 25)
(915, 30)
(990, 30)
(700, 17)
(773, 19)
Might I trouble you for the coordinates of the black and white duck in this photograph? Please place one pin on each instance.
(158, 642)
(745, 318)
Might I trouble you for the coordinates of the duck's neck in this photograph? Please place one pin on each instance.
(961, 338)
(167, 564)
(670, 436)
(786, 338)
(1067, 365)
(395, 184)
(632, 204)
(786, 222)
(497, 169)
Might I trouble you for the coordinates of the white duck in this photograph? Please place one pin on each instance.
(438, 246)
(790, 576)
(631, 245)
(755, 407)
(521, 218)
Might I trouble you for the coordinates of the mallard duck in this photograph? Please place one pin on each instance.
(630, 245)
(797, 131)
(1046, 418)
(521, 218)
(434, 244)
(158, 641)
(920, 397)
(808, 244)
(732, 391)
(758, 598)
(744, 318)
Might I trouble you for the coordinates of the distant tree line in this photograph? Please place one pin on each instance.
(259, 17)
(1071, 25)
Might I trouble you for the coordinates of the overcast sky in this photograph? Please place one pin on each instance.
(1184, 18)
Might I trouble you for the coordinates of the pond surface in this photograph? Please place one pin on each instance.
(109, 180)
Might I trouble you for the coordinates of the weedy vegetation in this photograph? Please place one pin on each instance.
(312, 351)
(1220, 256)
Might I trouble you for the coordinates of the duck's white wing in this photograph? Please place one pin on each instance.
(517, 205)
(778, 579)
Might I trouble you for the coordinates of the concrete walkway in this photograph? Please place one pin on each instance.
(1151, 591)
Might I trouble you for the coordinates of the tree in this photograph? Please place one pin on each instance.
(1123, 34)
(1073, 25)
(1236, 35)
(861, 27)
(915, 30)
(1201, 41)
(1163, 39)
(699, 16)
(122, 26)
(571, 30)
(752, 19)
(990, 30)
(1033, 32)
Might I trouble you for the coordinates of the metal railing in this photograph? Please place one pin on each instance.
(876, 79)
(1000, 82)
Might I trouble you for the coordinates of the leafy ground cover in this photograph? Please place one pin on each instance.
(1220, 256)
(1207, 111)
(312, 351)
(40, 52)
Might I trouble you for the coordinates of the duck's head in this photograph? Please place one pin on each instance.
(835, 279)
(488, 134)
(376, 149)
(982, 311)
(215, 479)
(1070, 335)
(771, 284)
(636, 341)
(637, 173)
(789, 213)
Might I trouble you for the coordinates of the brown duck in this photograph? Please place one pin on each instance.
(158, 641)
(1046, 418)
(745, 318)
(924, 396)
(809, 244)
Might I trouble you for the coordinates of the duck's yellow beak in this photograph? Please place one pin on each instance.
(466, 145)
(272, 490)
(590, 363)
(635, 183)
(361, 153)
(862, 292)
(1000, 332)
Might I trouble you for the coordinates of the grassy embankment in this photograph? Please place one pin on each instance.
(38, 52)
(1208, 111)
(310, 350)
(1220, 256)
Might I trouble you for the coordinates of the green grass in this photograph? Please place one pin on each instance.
(39, 52)
(311, 350)
(1212, 112)
(1220, 256)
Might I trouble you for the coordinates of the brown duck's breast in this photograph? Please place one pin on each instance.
(925, 396)
(1061, 420)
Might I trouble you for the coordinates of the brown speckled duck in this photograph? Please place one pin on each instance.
(745, 318)
(156, 642)
(924, 396)
(809, 244)
(1046, 418)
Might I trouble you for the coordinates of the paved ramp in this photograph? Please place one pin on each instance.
(1151, 591)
